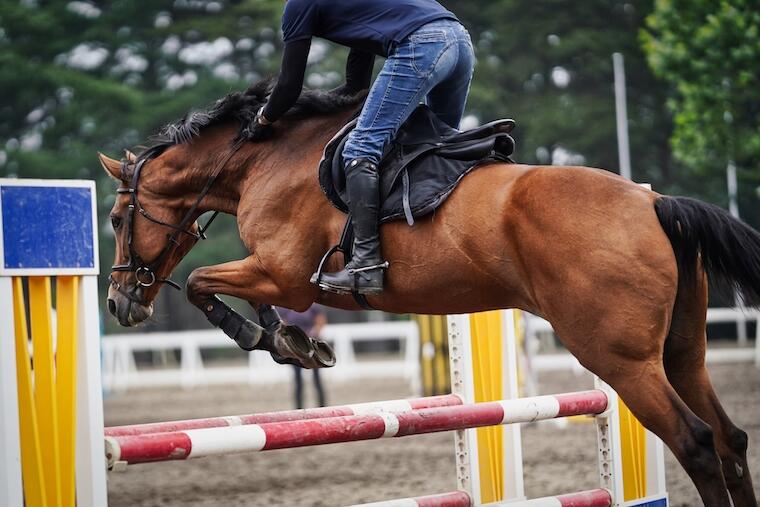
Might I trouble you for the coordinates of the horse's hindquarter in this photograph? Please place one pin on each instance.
(532, 238)
(595, 258)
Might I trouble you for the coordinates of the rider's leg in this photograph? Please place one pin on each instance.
(417, 65)
(447, 100)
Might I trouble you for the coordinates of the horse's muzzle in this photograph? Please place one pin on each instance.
(127, 312)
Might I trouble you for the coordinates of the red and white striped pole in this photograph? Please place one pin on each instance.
(196, 443)
(396, 406)
(453, 499)
(592, 498)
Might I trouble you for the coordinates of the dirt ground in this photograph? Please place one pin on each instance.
(557, 460)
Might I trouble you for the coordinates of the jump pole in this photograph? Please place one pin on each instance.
(51, 428)
(396, 406)
(198, 443)
(592, 498)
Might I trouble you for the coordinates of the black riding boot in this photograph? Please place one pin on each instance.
(364, 274)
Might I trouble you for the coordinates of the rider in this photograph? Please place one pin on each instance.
(429, 58)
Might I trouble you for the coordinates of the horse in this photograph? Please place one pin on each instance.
(621, 272)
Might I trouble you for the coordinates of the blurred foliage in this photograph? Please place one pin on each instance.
(709, 52)
(82, 76)
(548, 64)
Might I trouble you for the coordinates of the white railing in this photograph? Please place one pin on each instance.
(120, 371)
(565, 361)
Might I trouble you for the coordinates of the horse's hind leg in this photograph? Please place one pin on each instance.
(685, 368)
(646, 391)
(623, 344)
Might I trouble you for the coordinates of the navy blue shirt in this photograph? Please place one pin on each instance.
(373, 26)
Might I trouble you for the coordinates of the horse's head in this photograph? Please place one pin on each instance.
(164, 190)
(153, 230)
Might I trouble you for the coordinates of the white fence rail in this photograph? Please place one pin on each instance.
(120, 371)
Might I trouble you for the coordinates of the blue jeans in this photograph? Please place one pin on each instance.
(433, 64)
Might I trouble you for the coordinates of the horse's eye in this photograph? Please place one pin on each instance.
(115, 222)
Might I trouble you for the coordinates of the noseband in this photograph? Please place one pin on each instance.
(146, 272)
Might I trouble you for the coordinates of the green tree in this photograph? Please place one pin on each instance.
(80, 77)
(548, 64)
(708, 52)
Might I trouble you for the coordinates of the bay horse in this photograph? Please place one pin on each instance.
(621, 272)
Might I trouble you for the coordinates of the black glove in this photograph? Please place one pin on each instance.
(258, 129)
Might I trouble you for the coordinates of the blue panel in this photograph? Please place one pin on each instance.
(661, 502)
(47, 227)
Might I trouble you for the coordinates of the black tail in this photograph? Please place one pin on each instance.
(729, 248)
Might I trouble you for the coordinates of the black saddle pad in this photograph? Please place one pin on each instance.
(422, 166)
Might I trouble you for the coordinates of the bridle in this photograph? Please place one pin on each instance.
(145, 272)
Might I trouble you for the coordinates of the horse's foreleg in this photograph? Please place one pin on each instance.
(245, 279)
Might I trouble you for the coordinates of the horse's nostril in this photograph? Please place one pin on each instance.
(112, 306)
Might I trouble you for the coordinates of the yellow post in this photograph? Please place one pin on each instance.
(439, 330)
(487, 352)
(434, 355)
(35, 494)
(67, 298)
(426, 354)
(633, 448)
(45, 400)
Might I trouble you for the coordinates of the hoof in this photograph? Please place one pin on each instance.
(324, 354)
(290, 345)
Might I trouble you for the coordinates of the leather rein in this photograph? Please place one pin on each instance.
(146, 272)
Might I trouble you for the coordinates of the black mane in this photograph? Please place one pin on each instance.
(242, 107)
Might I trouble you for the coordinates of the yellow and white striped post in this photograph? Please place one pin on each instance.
(51, 428)
(483, 363)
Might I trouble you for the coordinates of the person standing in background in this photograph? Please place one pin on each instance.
(312, 321)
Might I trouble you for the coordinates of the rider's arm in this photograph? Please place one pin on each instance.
(358, 72)
(290, 82)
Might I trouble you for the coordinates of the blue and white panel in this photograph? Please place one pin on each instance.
(652, 501)
(48, 228)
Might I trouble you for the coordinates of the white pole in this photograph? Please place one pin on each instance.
(90, 451)
(11, 492)
(733, 189)
(733, 207)
(465, 441)
(621, 114)
(514, 488)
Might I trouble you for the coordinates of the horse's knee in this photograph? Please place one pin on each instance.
(194, 287)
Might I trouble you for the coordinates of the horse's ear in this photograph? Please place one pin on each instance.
(131, 157)
(111, 166)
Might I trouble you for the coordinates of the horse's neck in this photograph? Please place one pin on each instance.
(271, 171)
(281, 182)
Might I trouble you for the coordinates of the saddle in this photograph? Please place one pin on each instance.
(418, 171)
(421, 168)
